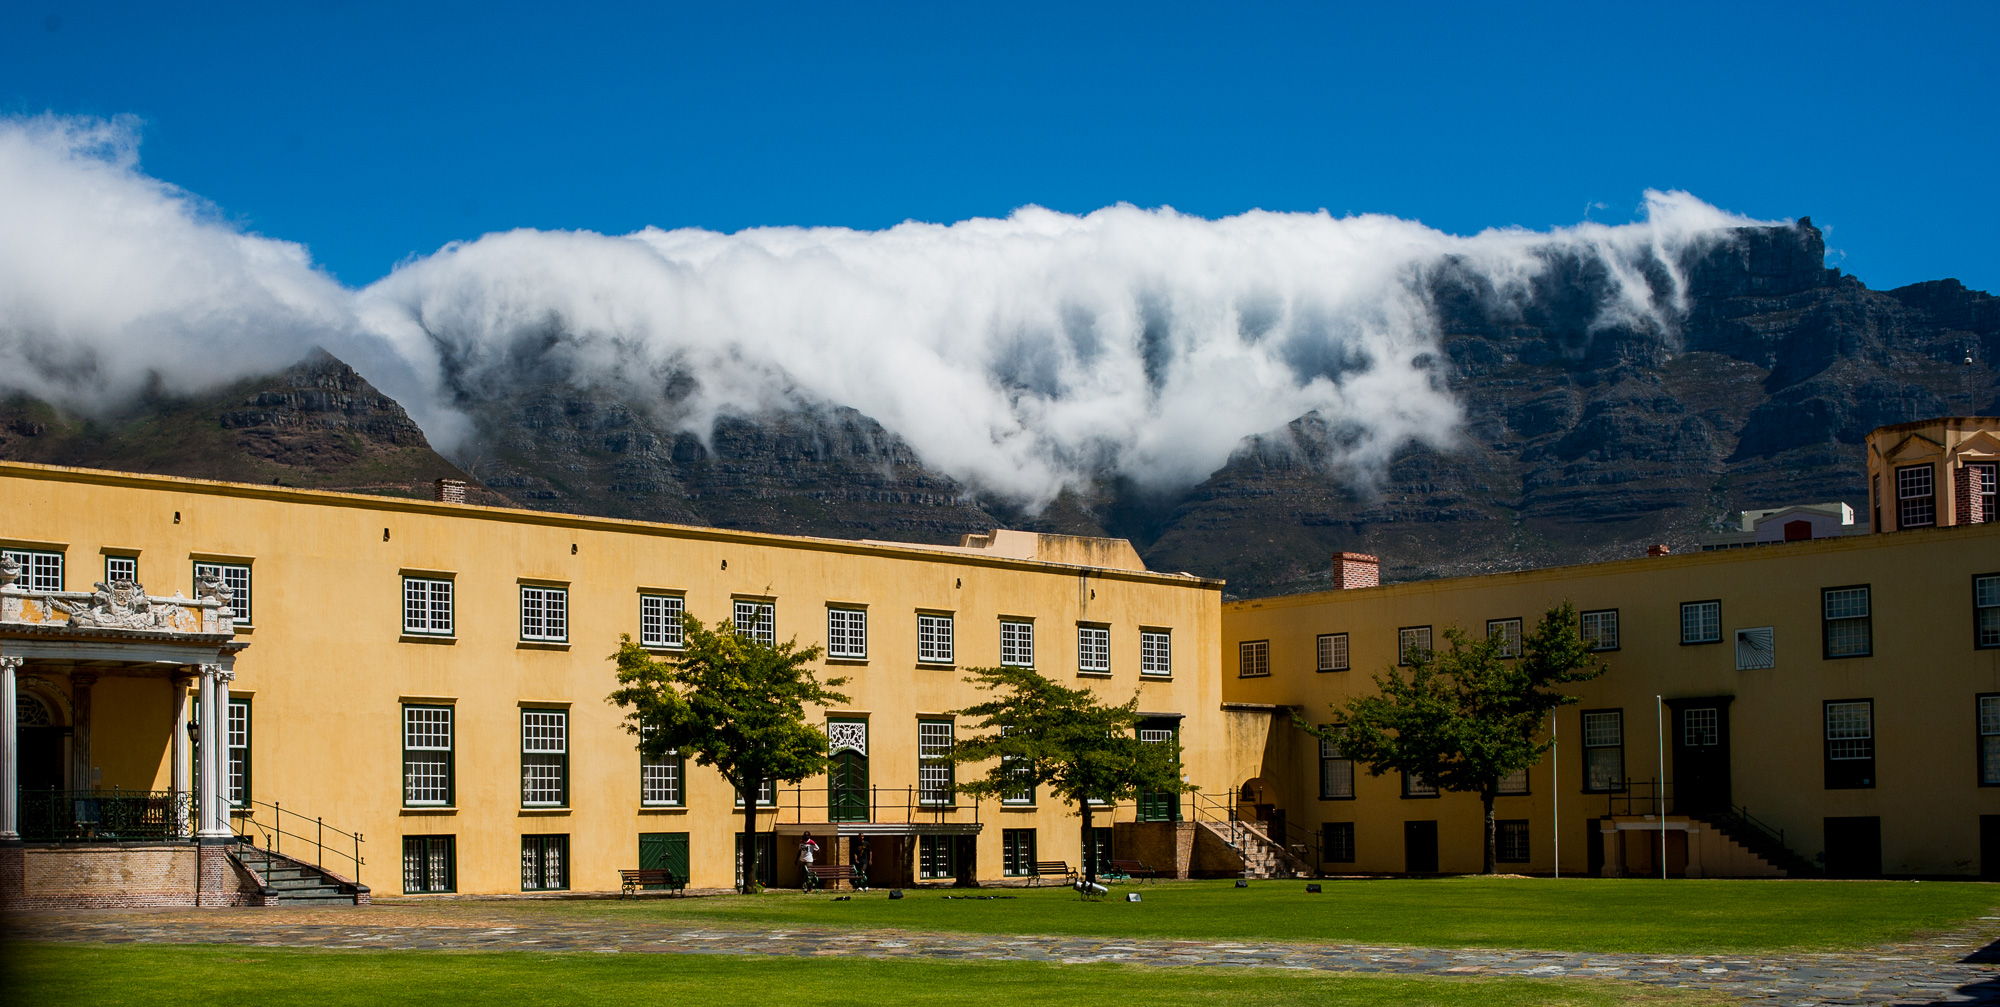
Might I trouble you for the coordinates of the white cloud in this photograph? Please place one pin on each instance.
(1020, 354)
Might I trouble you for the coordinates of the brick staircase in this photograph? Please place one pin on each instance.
(285, 880)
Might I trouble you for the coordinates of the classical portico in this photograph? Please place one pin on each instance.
(95, 689)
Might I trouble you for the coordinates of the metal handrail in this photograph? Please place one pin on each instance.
(1743, 813)
(274, 834)
(883, 806)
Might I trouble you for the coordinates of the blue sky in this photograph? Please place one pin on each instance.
(373, 132)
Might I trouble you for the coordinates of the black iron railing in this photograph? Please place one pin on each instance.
(310, 837)
(1641, 797)
(895, 805)
(105, 816)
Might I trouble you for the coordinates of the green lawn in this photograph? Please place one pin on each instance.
(61, 975)
(1585, 914)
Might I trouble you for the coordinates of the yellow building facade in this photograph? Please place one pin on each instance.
(1838, 697)
(432, 677)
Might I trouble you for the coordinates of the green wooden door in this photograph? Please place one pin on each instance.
(664, 850)
(847, 787)
(1159, 806)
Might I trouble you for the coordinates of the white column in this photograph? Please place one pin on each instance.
(10, 771)
(179, 747)
(212, 714)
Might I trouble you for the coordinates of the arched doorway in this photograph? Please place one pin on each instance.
(39, 744)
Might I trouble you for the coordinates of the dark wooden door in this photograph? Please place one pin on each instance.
(1854, 847)
(664, 851)
(1700, 738)
(1420, 847)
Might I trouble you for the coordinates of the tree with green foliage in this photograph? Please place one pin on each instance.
(1466, 717)
(1067, 740)
(732, 702)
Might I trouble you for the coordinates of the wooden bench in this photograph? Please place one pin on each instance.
(1132, 869)
(630, 882)
(1053, 869)
(828, 875)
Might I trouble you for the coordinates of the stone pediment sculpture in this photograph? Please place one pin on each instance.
(122, 604)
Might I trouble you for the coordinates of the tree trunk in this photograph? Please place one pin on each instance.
(749, 786)
(1089, 855)
(1486, 798)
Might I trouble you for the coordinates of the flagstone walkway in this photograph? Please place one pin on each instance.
(1954, 968)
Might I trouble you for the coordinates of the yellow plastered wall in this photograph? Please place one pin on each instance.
(1924, 677)
(328, 667)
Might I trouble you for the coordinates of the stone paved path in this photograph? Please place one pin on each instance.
(1958, 967)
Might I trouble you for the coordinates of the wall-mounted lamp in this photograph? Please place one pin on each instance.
(958, 582)
(385, 534)
(572, 548)
(725, 564)
(177, 517)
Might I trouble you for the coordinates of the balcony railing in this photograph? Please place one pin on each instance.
(881, 805)
(106, 816)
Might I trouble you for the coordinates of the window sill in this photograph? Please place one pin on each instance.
(542, 645)
(1145, 677)
(545, 811)
(936, 666)
(847, 660)
(663, 809)
(1421, 797)
(662, 649)
(243, 627)
(1019, 807)
(1093, 674)
(1349, 797)
(1330, 671)
(427, 638)
(429, 809)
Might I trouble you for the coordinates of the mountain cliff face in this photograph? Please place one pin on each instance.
(1587, 435)
(1586, 441)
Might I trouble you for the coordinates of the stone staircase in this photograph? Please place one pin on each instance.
(285, 880)
(1761, 843)
(1262, 858)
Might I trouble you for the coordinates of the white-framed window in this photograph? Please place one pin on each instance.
(1916, 496)
(1701, 622)
(1603, 750)
(1253, 659)
(1506, 633)
(1332, 651)
(117, 568)
(545, 614)
(235, 577)
(1599, 629)
(934, 638)
(40, 571)
(1017, 643)
(427, 751)
(660, 621)
(767, 794)
(935, 782)
(662, 779)
(1156, 652)
(758, 620)
(847, 633)
(1850, 730)
(1986, 611)
(1989, 741)
(1414, 785)
(427, 608)
(1413, 643)
(1336, 772)
(544, 758)
(1701, 727)
(1514, 783)
(237, 737)
(1093, 650)
(1756, 648)
(1018, 768)
(1849, 631)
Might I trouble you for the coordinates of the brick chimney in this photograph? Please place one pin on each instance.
(449, 491)
(1355, 569)
(1660, 549)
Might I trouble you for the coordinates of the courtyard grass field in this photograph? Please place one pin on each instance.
(137, 976)
(1585, 914)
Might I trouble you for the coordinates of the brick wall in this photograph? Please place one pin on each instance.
(1356, 569)
(1166, 847)
(120, 876)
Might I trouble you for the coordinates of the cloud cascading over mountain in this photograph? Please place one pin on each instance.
(1019, 355)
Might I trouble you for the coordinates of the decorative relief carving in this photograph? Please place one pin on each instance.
(122, 604)
(847, 734)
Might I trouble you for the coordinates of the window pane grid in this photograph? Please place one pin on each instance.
(544, 613)
(1701, 622)
(758, 621)
(660, 620)
(1986, 604)
(1850, 730)
(1253, 659)
(1093, 648)
(934, 782)
(1507, 633)
(1333, 652)
(1413, 643)
(1515, 782)
(544, 743)
(1155, 653)
(846, 632)
(235, 577)
(1017, 644)
(426, 606)
(1700, 728)
(934, 642)
(1600, 629)
(117, 568)
(426, 864)
(40, 571)
(544, 863)
(1916, 497)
